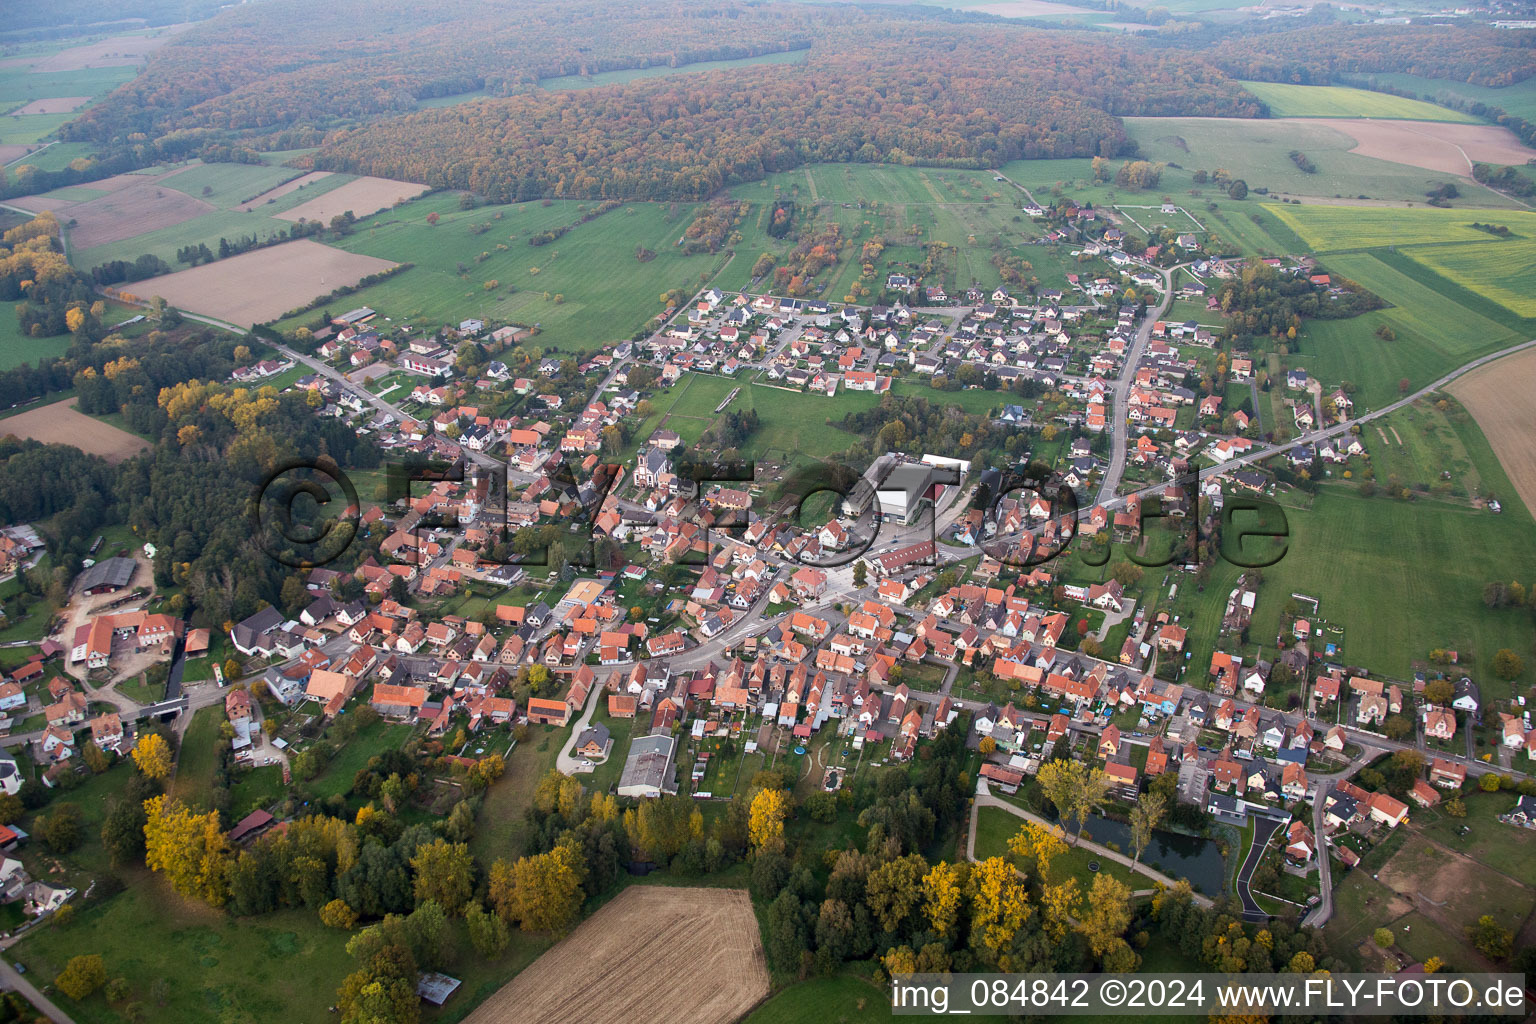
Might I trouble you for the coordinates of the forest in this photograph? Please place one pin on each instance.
(1317, 55)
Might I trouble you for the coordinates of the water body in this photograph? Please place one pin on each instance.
(1172, 853)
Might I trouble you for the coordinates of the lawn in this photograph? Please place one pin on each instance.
(199, 756)
(367, 741)
(1488, 840)
(499, 831)
(259, 787)
(583, 289)
(1338, 101)
(17, 348)
(995, 826)
(281, 966)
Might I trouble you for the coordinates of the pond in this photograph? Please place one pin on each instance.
(1174, 854)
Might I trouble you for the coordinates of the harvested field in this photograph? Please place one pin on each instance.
(362, 197)
(64, 423)
(13, 152)
(633, 951)
(1449, 148)
(37, 204)
(118, 52)
(130, 211)
(284, 189)
(261, 285)
(1498, 397)
(58, 105)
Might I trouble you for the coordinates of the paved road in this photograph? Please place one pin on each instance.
(565, 761)
(1263, 828)
(10, 978)
(1119, 426)
(1319, 915)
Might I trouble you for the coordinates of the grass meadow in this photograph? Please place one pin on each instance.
(1338, 101)
(1518, 99)
(604, 292)
(1502, 269)
(1336, 228)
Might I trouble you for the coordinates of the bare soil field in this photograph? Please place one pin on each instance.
(362, 197)
(284, 189)
(1499, 397)
(261, 285)
(623, 964)
(57, 105)
(12, 152)
(64, 423)
(1434, 146)
(121, 52)
(37, 204)
(130, 211)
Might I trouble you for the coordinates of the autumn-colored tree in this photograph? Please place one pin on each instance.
(766, 820)
(1489, 783)
(987, 746)
(941, 897)
(191, 849)
(1492, 939)
(1384, 938)
(1040, 844)
(433, 218)
(1076, 789)
(1144, 820)
(1433, 964)
(542, 892)
(1059, 905)
(336, 914)
(894, 889)
(1507, 664)
(999, 905)
(82, 975)
(74, 319)
(899, 960)
(1301, 963)
(445, 872)
(1106, 913)
(153, 755)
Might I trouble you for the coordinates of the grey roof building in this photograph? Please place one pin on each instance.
(648, 768)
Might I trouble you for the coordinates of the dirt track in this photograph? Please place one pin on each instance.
(1499, 398)
(656, 953)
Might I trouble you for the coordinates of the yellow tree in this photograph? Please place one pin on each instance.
(894, 889)
(74, 319)
(546, 893)
(153, 755)
(999, 904)
(1059, 904)
(941, 897)
(1040, 844)
(766, 823)
(190, 849)
(1106, 914)
(899, 960)
(1076, 789)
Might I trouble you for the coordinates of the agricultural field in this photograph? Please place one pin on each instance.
(1498, 396)
(361, 196)
(633, 950)
(1335, 228)
(1502, 269)
(263, 284)
(1435, 146)
(632, 74)
(1518, 99)
(1402, 577)
(584, 289)
(1338, 101)
(226, 186)
(63, 423)
(1258, 151)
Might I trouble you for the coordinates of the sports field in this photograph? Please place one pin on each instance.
(1337, 101)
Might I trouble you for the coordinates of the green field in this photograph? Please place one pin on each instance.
(608, 293)
(1518, 99)
(1258, 151)
(1337, 101)
(1502, 269)
(199, 757)
(282, 966)
(1335, 228)
(17, 348)
(656, 71)
(231, 185)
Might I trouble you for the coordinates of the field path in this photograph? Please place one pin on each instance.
(811, 183)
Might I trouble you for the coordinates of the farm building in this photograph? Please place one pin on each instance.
(107, 575)
(648, 768)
